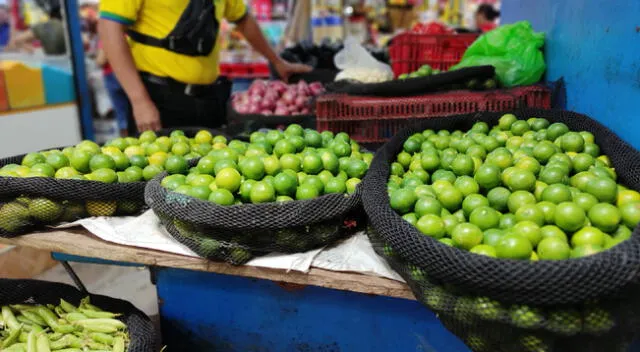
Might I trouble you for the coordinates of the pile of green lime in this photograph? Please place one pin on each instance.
(423, 71)
(522, 189)
(119, 160)
(273, 166)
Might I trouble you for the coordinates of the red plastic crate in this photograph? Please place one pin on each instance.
(409, 50)
(376, 120)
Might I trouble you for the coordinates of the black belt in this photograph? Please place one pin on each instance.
(194, 90)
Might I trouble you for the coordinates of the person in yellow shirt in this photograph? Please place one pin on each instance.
(165, 56)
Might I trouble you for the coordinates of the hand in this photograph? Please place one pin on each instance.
(286, 69)
(146, 115)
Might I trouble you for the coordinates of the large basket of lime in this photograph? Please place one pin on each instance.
(50, 316)
(284, 191)
(486, 324)
(536, 209)
(63, 185)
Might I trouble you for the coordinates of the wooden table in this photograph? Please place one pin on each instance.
(212, 306)
(78, 241)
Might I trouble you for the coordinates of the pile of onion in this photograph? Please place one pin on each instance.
(277, 98)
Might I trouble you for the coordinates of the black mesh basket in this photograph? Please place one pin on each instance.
(457, 79)
(542, 283)
(485, 324)
(141, 331)
(28, 204)
(238, 233)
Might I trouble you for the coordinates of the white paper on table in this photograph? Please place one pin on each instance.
(146, 231)
(355, 254)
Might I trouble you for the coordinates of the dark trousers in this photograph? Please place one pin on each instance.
(207, 108)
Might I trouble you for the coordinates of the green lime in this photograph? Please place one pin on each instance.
(271, 165)
(229, 179)
(285, 184)
(485, 217)
(491, 237)
(221, 197)
(553, 231)
(462, 165)
(100, 161)
(505, 122)
(513, 246)
(605, 189)
(585, 201)
(335, 185)
(630, 213)
(403, 200)
(498, 198)
(585, 250)
(467, 185)
(466, 236)
(291, 162)
(150, 171)
(176, 164)
(252, 168)
(605, 216)
(553, 174)
(44, 169)
(507, 221)
(307, 191)
(352, 184)
(410, 218)
(588, 235)
(33, 158)
(518, 199)
(483, 249)
(556, 193)
(472, 202)
(427, 205)
(520, 179)
(431, 225)
(45, 210)
(572, 142)
(284, 146)
(569, 216)
(262, 192)
(530, 230)
(553, 248)
(548, 210)
(531, 212)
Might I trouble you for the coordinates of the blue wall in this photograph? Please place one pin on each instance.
(595, 46)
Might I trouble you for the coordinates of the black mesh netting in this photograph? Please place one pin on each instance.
(28, 204)
(238, 233)
(415, 86)
(140, 328)
(485, 324)
(537, 283)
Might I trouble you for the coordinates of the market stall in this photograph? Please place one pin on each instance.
(486, 221)
(276, 309)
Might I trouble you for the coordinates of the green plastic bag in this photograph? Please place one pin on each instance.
(513, 49)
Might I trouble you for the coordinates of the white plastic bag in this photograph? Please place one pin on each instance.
(357, 64)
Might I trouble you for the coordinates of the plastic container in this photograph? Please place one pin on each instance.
(409, 51)
(376, 119)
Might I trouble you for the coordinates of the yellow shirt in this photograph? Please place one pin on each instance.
(157, 18)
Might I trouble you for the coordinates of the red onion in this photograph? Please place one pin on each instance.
(281, 110)
(289, 96)
(301, 101)
(254, 108)
(316, 88)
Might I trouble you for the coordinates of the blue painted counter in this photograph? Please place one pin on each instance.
(213, 312)
(595, 46)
